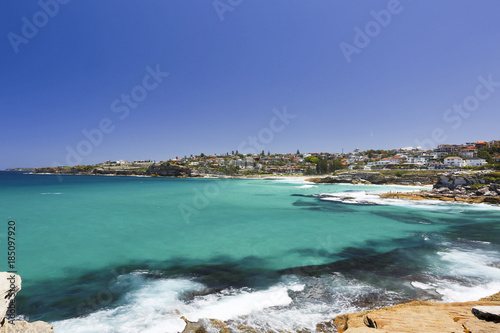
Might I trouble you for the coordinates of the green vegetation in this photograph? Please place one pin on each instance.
(86, 168)
(484, 153)
(493, 175)
(311, 159)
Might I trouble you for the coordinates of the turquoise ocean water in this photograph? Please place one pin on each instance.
(134, 254)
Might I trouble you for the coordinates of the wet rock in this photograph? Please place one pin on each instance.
(205, 326)
(326, 327)
(488, 313)
(341, 323)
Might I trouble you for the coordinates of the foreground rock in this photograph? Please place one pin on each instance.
(413, 317)
(419, 317)
(10, 284)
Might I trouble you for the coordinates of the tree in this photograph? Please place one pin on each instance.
(262, 154)
(308, 171)
(298, 152)
(336, 165)
(483, 153)
(311, 159)
(321, 166)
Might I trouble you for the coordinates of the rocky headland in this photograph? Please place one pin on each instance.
(467, 187)
(10, 285)
(458, 187)
(379, 178)
(159, 170)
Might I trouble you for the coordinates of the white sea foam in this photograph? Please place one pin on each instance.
(464, 275)
(157, 305)
(289, 181)
(454, 292)
(373, 198)
(51, 193)
(306, 186)
(420, 285)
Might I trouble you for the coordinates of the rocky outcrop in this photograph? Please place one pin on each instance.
(10, 285)
(205, 326)
(454, 179)
(169, 170)
(161, 170)
(48, 170)
(418, 317)
(489, 194)
(378, 178)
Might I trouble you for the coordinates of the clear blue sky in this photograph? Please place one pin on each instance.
(230, 66)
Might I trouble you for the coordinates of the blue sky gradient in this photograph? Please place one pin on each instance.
(227, 75)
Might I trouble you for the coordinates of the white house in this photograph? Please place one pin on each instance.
(394, 159)
(454, 161)
(381, 163)
(238, 163)
(416, 160)
(469, 152)
(476, 162)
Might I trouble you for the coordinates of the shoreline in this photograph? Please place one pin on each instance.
(406, 317)
(308, 179)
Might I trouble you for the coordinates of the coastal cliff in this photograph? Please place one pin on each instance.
(169, 170)
(160, 170)
(10, 285)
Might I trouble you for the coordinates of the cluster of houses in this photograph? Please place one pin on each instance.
(458, 156)
(442, 157)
